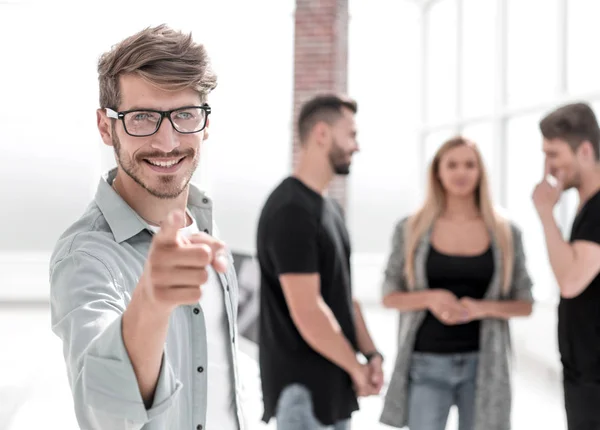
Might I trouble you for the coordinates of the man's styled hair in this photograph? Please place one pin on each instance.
(573, 123)
(166, 58)
(324, 107)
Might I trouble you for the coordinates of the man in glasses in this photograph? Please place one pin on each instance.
(143, 294)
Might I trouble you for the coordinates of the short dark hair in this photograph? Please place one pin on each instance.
(323, 107)
(573, 123)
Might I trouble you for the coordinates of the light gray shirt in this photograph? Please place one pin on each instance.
(94, 269)
(493, 400)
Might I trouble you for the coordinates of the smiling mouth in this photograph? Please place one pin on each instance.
(164, 163)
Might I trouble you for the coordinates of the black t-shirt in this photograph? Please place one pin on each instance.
(465, 276)
(299, 231)
(579, 317)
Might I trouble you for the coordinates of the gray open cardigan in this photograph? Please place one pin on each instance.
(493, 399)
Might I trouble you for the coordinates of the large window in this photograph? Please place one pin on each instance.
(492, 69)
(477, 57)
(583, 61)
(441, 57)
(532, 38)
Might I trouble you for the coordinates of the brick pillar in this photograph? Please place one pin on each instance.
(320, 62)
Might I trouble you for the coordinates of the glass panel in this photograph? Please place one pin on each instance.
(526, 166)
(583, 60)
(483, 135)
(441, 61)
(532, 51)
(436, 139)
(478, 39)
(388, 165)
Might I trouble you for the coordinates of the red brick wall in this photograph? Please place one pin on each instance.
(320, 61)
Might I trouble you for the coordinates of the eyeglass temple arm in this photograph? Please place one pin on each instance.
(111, 113)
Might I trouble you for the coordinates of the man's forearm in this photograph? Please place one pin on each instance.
(320, 329)
(144, 336)
(560, 253)
(363, 338)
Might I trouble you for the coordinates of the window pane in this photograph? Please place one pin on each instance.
(436, 139)
(441, 61)
(583, 60)
(387, 165)
(532, 51)
(478, 39)
(483, 135)
(526, 167)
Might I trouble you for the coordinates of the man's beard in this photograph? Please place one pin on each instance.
(574, 182)
(168, 188)
(337, 159)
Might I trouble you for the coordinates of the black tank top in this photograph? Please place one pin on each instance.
(465, 276)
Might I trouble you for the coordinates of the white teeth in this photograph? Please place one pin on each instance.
(163, 163)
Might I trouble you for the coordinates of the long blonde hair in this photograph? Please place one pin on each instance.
(419, 223)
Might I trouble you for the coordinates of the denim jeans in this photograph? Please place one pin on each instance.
(295, 411)
(436, 383)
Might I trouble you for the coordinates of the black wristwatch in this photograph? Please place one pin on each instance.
(370, 355)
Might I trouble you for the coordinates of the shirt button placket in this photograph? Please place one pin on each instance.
(199, 369)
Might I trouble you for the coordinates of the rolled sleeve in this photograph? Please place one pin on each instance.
(521, 281)
(394, 272)
(87, 305)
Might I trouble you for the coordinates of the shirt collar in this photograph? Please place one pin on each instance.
(123, 221)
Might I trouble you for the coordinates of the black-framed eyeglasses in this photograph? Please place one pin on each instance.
(146, 122)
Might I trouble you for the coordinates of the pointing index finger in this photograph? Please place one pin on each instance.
(170, 227)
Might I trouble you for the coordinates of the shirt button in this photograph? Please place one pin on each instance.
(199, 427)
(200, 369)
(196, 311)
(206, 230)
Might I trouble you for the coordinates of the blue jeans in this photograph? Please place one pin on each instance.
(295, 411)
(438, 381)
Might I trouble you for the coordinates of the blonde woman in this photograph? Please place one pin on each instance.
(457, 274)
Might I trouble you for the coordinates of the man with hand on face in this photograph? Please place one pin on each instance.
(143, 295)
(572, 147)
(311, 328)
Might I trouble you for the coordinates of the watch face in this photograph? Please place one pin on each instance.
(371, 355)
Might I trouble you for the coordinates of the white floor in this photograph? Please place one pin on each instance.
(34, 391)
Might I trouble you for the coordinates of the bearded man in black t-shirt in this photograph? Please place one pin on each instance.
(311, 328)
(572, 148)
